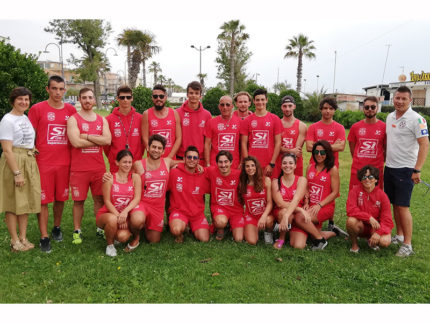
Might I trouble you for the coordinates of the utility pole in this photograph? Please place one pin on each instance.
(334, 75)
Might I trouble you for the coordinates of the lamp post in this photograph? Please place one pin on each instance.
(105, 79)
(256, 77)
(318, 77)
(60, 54)
(200, 49)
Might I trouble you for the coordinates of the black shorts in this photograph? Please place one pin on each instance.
(398, 185)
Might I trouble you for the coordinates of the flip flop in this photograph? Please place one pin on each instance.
(130, 248)
(278, 244)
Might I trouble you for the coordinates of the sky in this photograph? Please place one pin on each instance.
(358, 31)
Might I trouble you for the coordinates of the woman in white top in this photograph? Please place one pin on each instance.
(19, 175)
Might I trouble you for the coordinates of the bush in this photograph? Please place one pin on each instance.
(311, 111)
(421, 110)
(211, 100)
(273, 104)
(348, 118)
(142, 99)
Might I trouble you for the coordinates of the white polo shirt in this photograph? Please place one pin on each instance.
(402, 135)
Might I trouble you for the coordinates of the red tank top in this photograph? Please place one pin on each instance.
(89, 158)
(165, 127)
(319, 185)
(255, 203)
(154, 185)
(121, 194)
(288, 193)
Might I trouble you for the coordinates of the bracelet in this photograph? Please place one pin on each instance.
(320, 205)
(16, 173)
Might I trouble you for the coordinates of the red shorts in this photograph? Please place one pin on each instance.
(154, 216)
(196, 222)
(54, 181)
(236, 220)
(367, 231)
(252, 220)
(80, 182)
(326, 213)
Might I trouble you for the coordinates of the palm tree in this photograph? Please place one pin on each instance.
(233, 32)
(161, 79)
(154, 68)
(298, 47)
(148, 48)
(202, 80)
(170, 84)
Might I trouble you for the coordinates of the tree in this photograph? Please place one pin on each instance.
(18, 69)
(154, 68)
(170, 86)
(211, 100)
(202, 80)
(311, 103)
(233, 55)
(281, 86)
(148, 48)
(90, 35)
(162, 79)
(300, 46)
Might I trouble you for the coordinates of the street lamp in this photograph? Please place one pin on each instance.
(60, 54)
(200, 49)
(256, 77)
(318, 77)
(105, 79)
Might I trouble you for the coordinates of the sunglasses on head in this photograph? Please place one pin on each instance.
(192, 157)
(123, 97)
(367, 107)
(156, 96)
(369, 177)
(321, 152)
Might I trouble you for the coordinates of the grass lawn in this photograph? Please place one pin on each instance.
(218, 272)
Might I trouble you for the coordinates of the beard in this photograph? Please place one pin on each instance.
(370, 116)
(159, 107)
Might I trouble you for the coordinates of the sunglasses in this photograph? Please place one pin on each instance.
(123, 97)
(369, 177)
(225, 104)
(192, 157)
(320, 152)
(156, 96)
(367, 107)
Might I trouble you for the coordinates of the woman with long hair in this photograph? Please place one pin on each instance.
(254, 192)
(121, 194)
(288, 191)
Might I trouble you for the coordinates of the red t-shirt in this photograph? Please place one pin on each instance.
(369, 144)
(89, 158)
(362, 205)
(261, 132)
(125, 130)
(193, 123)
(50, 125)
(165, 127)
(329, 132)
(319, 185)
(255, 203)
(224, 135)
(224, 190)
(236, 113)
(187, 191)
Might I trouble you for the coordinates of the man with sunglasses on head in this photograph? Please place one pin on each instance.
(125, 126)
(367, 142)
(222, 133)
(162, 120)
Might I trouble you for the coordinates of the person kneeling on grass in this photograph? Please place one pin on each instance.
(369, 211)
(288, 191)
(121, 194)
(255, 192)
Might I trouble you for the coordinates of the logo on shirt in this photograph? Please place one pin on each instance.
(115, 187)
(402, 124)
(117, 124)
(287, 143)
(226, 141)
(224, 196)
(85, 126)
(254, 123)
(179, 179)
(378, 132)
(256, 206)
(292, 132)
(196, 190)
(233, 182)
(367, 148)
(130, 189)
(320, 132)
(267, 123)
(98, 127)
(155, 188)
(362, 131)
(135, 132)
(202, 124)
(220, 126)
(50, 116)
(186, 114)
(323, 178)
(117, 132)
(218, 181)
(234, 127)
(424, 132)
(57, 134)
(378, 204)
(166, 133)
(154, 123)
(169, 122)
(121, 202)
(260, 139)
(186, 122)
(331, 133)
(315, 192)
(179, 187)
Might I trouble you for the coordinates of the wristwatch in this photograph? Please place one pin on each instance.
(272, 165)
(416, 171)
(16, 173)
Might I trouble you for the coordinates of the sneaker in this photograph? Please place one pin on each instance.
(405, 251)
(77, 237)
(100, 233)
(268, 237)
(320, 244)
(276, 227)
(56, 233)
(330, 225)
(397, 239)
(45, 245)
(111, 251)
(375, 248)
(339, 231)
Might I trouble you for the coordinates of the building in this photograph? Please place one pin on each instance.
(350, 102)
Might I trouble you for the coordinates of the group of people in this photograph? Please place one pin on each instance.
(251, 164)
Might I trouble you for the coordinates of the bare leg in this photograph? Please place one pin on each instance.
(58, 213)
(397, 219)
(354, 228)
(109, 223)
(309, 227)
(78, 213)
(22, 224)
(137, 222)
(153, 236)
(202, 235)
(406, 223)
(238, 234)
(177, 228)
(251, 234)
(298, 240)
(98, 203)
(220, 222)
(11, 220)
(42, 219)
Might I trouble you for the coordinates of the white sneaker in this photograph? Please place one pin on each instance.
(397, 239)
(268, 237)
(111, 251)
(405, 251)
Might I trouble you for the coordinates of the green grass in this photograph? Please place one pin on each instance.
(218, 272)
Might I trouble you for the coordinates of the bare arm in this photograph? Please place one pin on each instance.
(352, 148)
(339, 145)
(145, 128)
(178, 136)
(301, 139)
(137, 184)
(244, 145)
(335, 185)
(103, 140)
(277, 148)
(106, 187)
(74, 135)
(207, 151)
(7, 145)
(309, 145)
(423, 143)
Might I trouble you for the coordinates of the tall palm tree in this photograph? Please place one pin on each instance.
(300, 46)
(202, 80)
(233, 32)
(170, 84)
(148, 48)
(162, 79)
(154, 68)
